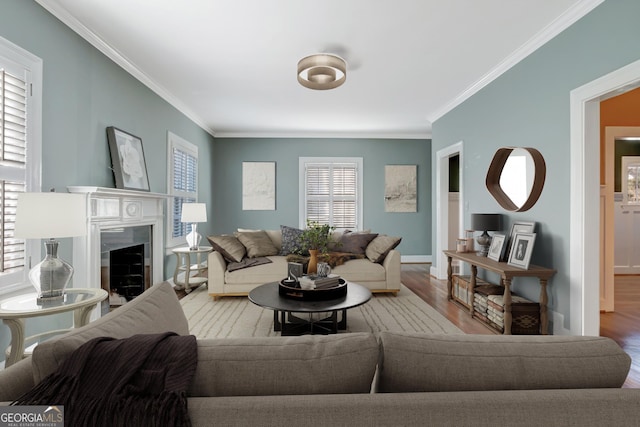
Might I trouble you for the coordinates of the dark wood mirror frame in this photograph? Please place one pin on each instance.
(495, 170)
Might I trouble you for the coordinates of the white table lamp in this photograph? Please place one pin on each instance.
(194, 213)
(50, 216)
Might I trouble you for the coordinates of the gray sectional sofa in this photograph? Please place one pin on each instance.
(358, 379)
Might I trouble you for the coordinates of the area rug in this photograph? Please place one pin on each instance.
(238, 317)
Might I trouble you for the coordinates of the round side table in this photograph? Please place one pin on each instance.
(184, 264)
(14, 310)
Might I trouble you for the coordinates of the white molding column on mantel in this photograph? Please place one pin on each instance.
(109, 208)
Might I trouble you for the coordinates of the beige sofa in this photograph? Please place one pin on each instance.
(356, 379)
(383, 276)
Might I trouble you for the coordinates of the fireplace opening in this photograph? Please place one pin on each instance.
(125, 262)
(127, 271)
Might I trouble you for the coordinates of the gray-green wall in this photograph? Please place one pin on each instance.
(229, 153)
(83, 93)
(529, 106)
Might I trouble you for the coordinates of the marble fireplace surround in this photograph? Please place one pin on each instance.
(111, 208)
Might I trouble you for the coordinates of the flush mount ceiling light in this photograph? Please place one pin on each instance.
(322, 71)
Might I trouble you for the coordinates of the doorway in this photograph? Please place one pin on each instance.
(443, 215)
(619, 218)
(584, 258)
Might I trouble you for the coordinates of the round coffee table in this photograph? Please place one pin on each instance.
(267, 296)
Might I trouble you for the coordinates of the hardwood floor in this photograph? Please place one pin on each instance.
(434, 292)
(623, 326)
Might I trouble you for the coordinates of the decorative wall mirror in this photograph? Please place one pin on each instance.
(516, 177)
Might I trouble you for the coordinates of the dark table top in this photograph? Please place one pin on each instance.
(267, 296)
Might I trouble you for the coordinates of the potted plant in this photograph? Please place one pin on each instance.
(315, 238)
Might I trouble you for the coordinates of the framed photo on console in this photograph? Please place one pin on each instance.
(127, 160)
(497, 245)
(517, 227)
(521, 250)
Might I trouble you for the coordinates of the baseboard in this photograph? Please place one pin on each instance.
(556, 322)
(433, 271)
(415, 259)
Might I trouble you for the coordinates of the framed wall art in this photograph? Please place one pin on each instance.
(400, 188)
(497, 246)
(258, 186)
(127, 160)
(521, 250)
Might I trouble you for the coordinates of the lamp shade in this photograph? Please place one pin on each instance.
(194, 212)
(50, 215)
(486, 222)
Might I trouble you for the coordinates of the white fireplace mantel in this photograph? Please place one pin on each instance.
(109, 208)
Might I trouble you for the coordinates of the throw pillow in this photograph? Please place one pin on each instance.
(156, 310)
(365, 231)
(229, 247)
(274, 235)
(380, 246)
(336, 236)
(290, 240)
(258, 243)
(355, 243)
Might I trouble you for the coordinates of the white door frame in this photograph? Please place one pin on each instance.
(584, 240)
(439, 271)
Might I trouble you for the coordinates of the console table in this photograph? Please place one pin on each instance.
(507, 273)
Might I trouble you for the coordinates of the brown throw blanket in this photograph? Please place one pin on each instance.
(332, 258)
(247, 262)
(136, 381)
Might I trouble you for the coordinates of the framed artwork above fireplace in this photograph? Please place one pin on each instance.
(127, 160)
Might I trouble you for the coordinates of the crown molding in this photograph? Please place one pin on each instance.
(53, 7)
(332, 135)
(556, 27)
(564, 21)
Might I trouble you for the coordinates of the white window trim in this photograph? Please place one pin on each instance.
(14, 57)
(174, 140)
(303, 161)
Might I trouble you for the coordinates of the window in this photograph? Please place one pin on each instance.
(183, 185)
(20, 153)
(331, 191)
(630, 179)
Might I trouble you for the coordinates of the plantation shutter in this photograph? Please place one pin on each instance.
(331, 194)
(185, 179)
(13, 158)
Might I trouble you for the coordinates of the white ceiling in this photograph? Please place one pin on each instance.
(230, 65)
